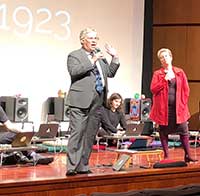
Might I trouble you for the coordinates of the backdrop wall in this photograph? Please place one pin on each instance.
(36, 37)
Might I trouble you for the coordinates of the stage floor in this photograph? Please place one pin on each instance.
(50, 179)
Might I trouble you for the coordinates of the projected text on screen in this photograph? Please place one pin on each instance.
(25, 21)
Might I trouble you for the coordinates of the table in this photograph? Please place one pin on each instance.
(146, 153)
(125, 137)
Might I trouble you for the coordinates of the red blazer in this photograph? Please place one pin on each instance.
(159, 88)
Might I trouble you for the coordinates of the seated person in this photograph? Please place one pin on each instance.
(112, 117)
(8, 136)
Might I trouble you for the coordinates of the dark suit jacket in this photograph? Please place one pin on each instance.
(82, 87)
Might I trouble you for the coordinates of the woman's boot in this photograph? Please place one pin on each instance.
(186, 146)
(164, 142)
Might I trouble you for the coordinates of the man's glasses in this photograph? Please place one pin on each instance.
(92, 38)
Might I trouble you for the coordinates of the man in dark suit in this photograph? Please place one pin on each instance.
(86, 96)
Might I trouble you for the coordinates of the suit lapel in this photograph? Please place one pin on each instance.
(84, 57)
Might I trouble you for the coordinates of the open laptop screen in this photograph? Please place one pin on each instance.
(22, 139)
(49, 130)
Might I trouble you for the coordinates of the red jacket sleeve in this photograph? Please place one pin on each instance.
(158, 82)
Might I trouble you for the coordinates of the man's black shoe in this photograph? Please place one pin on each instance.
(24, 160)
(45, 160)
(71, 172)
(84, 172)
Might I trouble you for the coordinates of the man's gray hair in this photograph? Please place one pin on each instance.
(84, 32)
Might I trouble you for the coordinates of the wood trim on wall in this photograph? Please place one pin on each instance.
(176, 25)
(176, 12)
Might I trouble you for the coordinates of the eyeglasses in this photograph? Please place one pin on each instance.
(92, 38)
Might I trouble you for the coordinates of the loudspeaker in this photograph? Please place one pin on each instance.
(61, 110)
(50, 105)
(16, 108)
(145, 109)
(58, 107)
(127, 105)
(135, 109)
(148, 128)
(121, 162)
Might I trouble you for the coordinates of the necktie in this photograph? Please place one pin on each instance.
(98, 84)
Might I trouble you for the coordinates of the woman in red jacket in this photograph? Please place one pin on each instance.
(170, 97)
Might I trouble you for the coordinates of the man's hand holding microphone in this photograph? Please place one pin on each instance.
(98, 54)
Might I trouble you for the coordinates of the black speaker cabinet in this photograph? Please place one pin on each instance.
(50, 105)
(15, 108)
(145, 109)
(58, 107)
(127, 105)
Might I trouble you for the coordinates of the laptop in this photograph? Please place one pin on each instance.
(139, 144)
(49, 130)
(22, 139)
(121, 162)
(134, 129)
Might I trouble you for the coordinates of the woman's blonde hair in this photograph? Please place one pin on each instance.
(164, 50)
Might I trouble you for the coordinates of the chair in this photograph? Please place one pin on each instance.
(194, 121)
(100, 145)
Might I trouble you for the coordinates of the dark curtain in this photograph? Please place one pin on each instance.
(147, 49)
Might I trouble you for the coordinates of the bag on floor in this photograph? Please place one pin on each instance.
(9, 158)
(169, 163)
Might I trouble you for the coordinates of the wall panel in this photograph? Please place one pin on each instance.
(193, 53)
(173, 38)
(176, 25)
(176, 11)
(194, 122)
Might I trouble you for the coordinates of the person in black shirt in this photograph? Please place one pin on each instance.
(10, 130)
(8, 135)
(112, 117)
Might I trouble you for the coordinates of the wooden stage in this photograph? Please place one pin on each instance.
(50, 180)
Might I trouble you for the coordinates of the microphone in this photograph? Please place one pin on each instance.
(96, 50)
(102, 58)
(166, 71)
